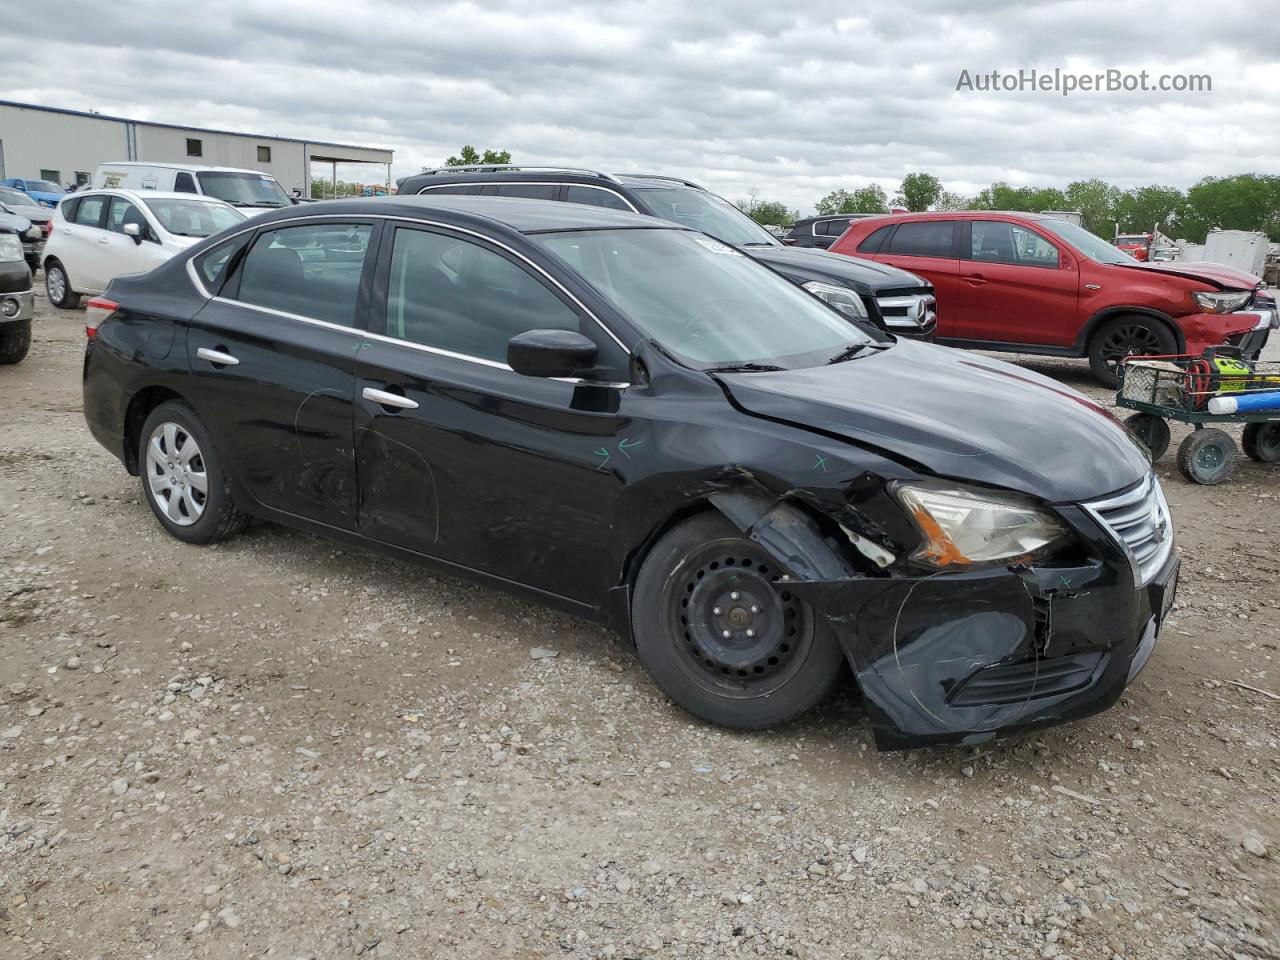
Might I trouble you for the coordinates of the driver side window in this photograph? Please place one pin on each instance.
(455, 295)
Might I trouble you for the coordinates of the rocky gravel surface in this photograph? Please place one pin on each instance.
(278, 747)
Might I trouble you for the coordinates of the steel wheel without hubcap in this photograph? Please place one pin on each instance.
(176, 474)
(743, 633)
(1261, 441)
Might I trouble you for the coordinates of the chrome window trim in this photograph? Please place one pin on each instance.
(193, 273)
(529, 183)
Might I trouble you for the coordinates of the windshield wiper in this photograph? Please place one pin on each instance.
(848, 353)
(744, 368)
(757, 243)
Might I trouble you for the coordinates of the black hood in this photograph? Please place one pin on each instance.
(803, 264)
(960, 416)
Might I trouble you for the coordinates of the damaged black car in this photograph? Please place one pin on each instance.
(634, 422)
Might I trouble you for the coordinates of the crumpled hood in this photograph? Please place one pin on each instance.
(960, 415)
(1218, 274)
(821, 265)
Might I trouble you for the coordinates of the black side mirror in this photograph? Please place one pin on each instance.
(550, 353)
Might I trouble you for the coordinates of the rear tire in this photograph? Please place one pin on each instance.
(1153, 431)
(1120, 337)
(176, 458)
(1207, 456)
(704, 578)
(58, 285)
(15, 341)
(1261, 441)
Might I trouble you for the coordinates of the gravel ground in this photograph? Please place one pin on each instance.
(280, 748)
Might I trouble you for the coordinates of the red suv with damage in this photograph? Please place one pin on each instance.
(1025, 283)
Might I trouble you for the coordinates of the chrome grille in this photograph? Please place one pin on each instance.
(1140, 522)
(910, 311)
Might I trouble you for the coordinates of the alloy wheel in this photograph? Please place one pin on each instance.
(56, 283)
(176, 474)
(1129, 340)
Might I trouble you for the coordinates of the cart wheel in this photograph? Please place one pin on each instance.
(1261, 441)
(1207, 456)
(1152, 431)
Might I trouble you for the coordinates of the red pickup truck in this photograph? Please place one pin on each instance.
(1025, 283)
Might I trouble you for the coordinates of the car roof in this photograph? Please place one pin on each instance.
(144, 195)
(193, 167)
(516, 213)
(568, 175)
(950, 215)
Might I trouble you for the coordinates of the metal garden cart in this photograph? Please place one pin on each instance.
(1179, 387)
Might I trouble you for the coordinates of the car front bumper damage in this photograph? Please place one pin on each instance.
(960, 657)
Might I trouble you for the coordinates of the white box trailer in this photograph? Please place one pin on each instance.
(1243, 249)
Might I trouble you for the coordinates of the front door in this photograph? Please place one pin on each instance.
(273, 366)
(1015, 287)
(463, 459)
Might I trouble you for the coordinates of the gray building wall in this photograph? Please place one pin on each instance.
(35, 139)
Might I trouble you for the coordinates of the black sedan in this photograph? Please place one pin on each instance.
(637, 423)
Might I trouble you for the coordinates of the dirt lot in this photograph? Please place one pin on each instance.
(280, 748)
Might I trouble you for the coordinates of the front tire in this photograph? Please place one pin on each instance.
(722, 636)
(183, 477)
(1207, 456)
(1153, 431)
(15, 341)
(58, 285)
(1132, 335)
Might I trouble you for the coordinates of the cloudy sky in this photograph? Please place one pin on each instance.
(791, 99)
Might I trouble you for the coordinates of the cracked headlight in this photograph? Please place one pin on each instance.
(1221, 301)
(842, 298)
(10, 247)
(962, 527)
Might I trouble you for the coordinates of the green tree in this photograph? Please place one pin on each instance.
(870, 199)
(919, 191)
(948, 201)
(771, 212)
(469, 156)
(1140, 209)
(1097, 201)
(1246, 201)
(1001, 196)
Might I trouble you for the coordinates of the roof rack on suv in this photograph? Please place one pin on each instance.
(660, 176)
(517, 167)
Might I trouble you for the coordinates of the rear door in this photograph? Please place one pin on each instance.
(463, 459)
(83, 244)
(929, 248)
(1016, 286)
(273, 362)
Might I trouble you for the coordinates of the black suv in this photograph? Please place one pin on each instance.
(891, 298)
(820, 232)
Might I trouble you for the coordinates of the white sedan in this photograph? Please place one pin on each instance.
(98, 235)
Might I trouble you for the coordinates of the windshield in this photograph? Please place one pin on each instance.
(15, 198)
(194, 218)
(706, 212)
(43, 186)
(704, 300)
(1086, 243)
(244, 189)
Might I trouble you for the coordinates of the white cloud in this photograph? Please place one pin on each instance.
(791, 99)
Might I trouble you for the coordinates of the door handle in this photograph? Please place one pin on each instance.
(1093, 286)
(976, 279)
(388, 399)
(217, 357)
(103, 240)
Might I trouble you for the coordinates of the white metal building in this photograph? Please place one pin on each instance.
(66, 146)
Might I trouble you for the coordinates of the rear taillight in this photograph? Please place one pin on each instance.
(95, 311)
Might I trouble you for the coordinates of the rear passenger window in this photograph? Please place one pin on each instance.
(873, 242)
(456, 295)
(833, 228)
(213, 264)
(595, 196)
(68, 209)
(924, 238)
(312, 271)
(533, 191)
(89, 213)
